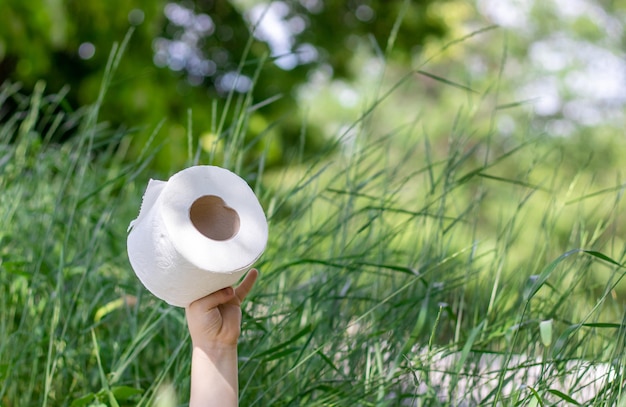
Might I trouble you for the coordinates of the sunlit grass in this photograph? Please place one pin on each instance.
(403, 267)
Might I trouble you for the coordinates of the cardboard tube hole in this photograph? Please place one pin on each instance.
(213, 218)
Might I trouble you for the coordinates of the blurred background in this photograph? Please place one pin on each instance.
(439, 176)
(306, 63)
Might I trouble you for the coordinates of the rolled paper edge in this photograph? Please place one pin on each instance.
(149, 198)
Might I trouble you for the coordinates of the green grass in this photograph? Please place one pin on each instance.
(403, 267)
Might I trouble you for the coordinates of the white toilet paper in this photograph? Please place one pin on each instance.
(195, 234)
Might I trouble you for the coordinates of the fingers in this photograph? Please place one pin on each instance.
(246, 285)
(228, 294)
(214, 300)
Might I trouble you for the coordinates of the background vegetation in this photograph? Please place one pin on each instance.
(188, 55)
(445, 213)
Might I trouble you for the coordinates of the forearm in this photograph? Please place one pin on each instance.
(214, 377)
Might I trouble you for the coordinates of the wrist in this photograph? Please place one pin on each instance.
(214, 375)
(214, 348)
(222, 356)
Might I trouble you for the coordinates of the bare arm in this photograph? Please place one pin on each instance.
(215, 325)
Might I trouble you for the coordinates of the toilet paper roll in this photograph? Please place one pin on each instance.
(195, 234)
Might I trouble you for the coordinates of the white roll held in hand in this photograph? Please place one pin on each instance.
(195, 234)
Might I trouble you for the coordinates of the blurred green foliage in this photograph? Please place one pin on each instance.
(432, 229)
(185, 56)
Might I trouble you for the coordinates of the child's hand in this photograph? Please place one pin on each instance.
(215, 324)
(215, 320)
